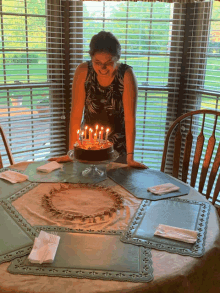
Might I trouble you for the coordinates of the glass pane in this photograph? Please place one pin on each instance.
(212, 78)
(14, 32)
(36, 33)
(13, 6)
(36, 7)
(3, 102)
(150, 127)
(37, 66)
(16, 67)
(1, 68)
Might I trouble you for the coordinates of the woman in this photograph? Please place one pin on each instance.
(107, 92)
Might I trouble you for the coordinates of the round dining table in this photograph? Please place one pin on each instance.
(171, 272)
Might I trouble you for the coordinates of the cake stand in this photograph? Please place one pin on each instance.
(93, 170)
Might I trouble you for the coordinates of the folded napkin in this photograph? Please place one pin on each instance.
(163, 188)
(13, 177)
(44, 249)
(47, 168)
(176, 233)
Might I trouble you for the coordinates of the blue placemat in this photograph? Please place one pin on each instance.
(17, 234)
(137, 182)
(93, 255)
(7, 188)
(71, 172)
(186, 214)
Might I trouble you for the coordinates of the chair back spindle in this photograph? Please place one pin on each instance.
(208, 156)
(214, 171)
(198, 153)
(177, 150)
(187, 152)
(216, 191)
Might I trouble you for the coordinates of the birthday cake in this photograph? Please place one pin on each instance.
(93, 151)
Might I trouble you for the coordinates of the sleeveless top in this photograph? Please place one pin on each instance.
(104, 106)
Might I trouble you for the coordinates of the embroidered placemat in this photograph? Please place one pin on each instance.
(71, 172)
(7, 188)
(17, 234)
(93, 255)
(138, 181)
(186, 214)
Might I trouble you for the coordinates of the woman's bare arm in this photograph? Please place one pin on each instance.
(130, 105)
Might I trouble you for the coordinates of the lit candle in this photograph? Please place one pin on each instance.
(82, 134)
(86, 132)
(106, 136)
(78, 135)
(92, 140)
(97, 127)
(95, 136)
(90, 134)
(99, 136)
(102, 132)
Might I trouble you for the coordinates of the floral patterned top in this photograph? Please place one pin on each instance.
(104, 105)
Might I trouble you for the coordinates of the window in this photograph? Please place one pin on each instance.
(169, 63)
(144, 30)
(31, 78)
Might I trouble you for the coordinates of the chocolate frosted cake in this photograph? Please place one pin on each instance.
(93, 151)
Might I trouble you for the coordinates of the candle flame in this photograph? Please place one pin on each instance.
(102, 128)
(96, 127)
(86, 127)
(78, 131)
(107, 129)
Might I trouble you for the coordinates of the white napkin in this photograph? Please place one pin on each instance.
(163, 188)
(176, 233)
(13, 177)
(47, 168)
(44, 249)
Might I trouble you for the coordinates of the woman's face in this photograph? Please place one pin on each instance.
(104, 64)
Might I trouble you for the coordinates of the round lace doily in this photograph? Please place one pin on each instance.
(82, 201)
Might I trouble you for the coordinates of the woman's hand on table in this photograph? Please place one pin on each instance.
(61, 159)
(135, 164)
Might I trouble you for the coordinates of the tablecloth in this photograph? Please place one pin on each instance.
(172, 272)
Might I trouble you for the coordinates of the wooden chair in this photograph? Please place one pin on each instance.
(7, 148)
(195, 159)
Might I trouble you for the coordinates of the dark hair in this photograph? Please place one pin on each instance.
(105, 42)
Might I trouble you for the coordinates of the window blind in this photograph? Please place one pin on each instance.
(145, 32)
(32, 105)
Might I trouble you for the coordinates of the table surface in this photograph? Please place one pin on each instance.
(172, 272)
